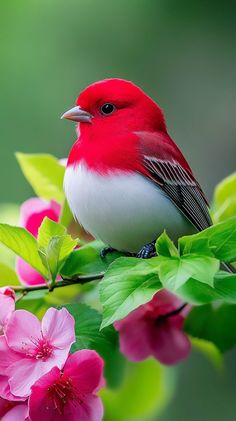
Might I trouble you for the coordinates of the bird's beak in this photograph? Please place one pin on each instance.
(78, 115)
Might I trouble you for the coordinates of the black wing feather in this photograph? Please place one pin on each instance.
(182, 188)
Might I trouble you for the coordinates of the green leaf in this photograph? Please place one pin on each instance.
(145, 392)
(44, 173)
(198, 246)
(208, 349)
(213, 323)
(9, 214)
(225, 189)
(65, 216)
(21, 242)
(8, 276)
(166, 247)
(56, 253)
(224, 203)
(221, 240)
(175, 271)
(47, 230)
(106, 343)
(198, 293)
(87, 260)
(54, 245)
(195, 292)
(128, 283)
(225, 286)
(225, 211)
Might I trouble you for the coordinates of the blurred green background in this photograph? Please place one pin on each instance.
(180, 52)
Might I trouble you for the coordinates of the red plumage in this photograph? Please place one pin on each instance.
(133, 139)
(110, 142)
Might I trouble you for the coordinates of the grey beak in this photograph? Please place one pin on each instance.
(78, 115)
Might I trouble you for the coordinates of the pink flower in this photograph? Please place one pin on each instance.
(7, 306)
(5, 391)
(12, 411)
(32, 212)
(146, 331)
(69, 394)
(7, 357)
(31, 349)
(9, 292)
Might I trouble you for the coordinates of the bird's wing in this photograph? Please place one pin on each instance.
(165, 165)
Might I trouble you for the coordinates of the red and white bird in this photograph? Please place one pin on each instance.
(126, 180)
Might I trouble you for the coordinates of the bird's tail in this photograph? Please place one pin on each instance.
(227, 266)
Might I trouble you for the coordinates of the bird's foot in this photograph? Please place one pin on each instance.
(105, 251)
(147, 251)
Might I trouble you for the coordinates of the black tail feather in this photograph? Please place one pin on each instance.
(227, 266)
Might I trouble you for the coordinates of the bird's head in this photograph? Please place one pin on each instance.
(117, 106)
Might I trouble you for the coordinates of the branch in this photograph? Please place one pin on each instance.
(83, 279)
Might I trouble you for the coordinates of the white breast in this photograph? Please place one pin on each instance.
(126, 211)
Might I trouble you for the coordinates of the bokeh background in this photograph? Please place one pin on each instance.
(182, 53)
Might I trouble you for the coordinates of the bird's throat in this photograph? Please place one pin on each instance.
(104, 155)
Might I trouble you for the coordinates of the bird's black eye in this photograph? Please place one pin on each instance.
(107, 108)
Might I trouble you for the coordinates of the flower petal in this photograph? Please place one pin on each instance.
(85, 368)
(145, 332)
(24, 373)
(5, 405)
(22, 329)
(27, 274)
(134, 338)
(58, 327)
(7, 356)
(41, 406)
(163, 302)
(58, 358)
(19, 413)
(5, 391)
(169, 343)
(90, 410)
(7, 306)
(34, 210)
(8, 291)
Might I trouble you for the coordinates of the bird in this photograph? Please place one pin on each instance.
(126, 180)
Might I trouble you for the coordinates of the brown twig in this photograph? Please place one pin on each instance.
(83, 279)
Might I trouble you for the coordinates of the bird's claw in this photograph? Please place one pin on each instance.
(147, 251)
(105, 251)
